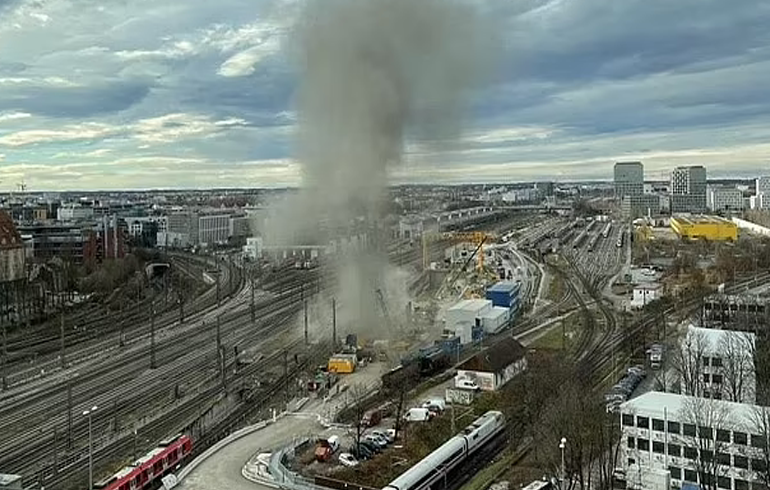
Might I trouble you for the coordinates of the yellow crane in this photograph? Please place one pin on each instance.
(474, 237)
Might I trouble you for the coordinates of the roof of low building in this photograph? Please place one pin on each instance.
(470, 305)
(495, 358)
(6, 479)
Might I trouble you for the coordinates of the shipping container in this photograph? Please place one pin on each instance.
(342, 364)
(504, 293)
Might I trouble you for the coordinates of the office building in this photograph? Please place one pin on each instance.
(762, 185)
(688, 189)
(639, 205)
(629, 179)
(714, 443)
(719, 199)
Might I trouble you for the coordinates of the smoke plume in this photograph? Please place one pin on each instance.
(372, 74)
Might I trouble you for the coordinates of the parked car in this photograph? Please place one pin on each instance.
(385, 435)
(361, 452)
(466, 384)
(371, 418)
(347, 459)
(374, 448)
(417, 415)
(391, 434)
(439, 403)
(378, 441)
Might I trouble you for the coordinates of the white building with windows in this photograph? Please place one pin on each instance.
(723, 361)
(696, 440)
(724, 199)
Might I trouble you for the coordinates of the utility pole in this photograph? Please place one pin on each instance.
(69, 415)
(334, 324)
(253, 306)
(304, 308)
(61, 332)
(216, 261)
(222, 366)
(4, 356)
(219, 333)
(286, 375)
(55, 450)
(152, 338)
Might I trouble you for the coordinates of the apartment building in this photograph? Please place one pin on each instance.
(720, 199)
(707, 442)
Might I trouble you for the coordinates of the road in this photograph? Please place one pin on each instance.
(223, 469)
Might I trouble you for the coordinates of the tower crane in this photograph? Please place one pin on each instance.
(477, 238)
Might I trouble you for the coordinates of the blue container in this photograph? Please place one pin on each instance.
(477, 334)
(504, 294)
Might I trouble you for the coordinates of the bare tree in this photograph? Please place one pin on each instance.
(701, 417)
(356, 402)
(760, 420)
(737, 354)
(687, 360)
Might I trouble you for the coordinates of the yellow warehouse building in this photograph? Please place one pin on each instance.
(712, 228)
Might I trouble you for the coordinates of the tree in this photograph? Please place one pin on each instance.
(687, 359)
(737, 353)
(356, 401)
(760, 420)
(704, 416)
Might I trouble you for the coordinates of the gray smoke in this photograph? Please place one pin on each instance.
(372, 73)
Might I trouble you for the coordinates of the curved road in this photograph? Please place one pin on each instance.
(223, 469)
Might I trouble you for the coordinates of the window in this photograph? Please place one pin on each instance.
(706, 378)
(723, 435)
(716, 362)
(741, 462)
(642, 422)
(717, 395)
(740, 438)
(758, 465)
(690, 475)
(705, 360)
(628, 420)
(723, 459)
(643, 444)
(658, 425)
(757, 441)
(705, 432)
(631, 443)
(631, 461)
(716, 378)
(706, 479)
(690, 453)
(688, 429)
(741, 484)
(724, 482)
(706, 455)
(658, 447)
(674, 450)
(673, 427)
(676, 473)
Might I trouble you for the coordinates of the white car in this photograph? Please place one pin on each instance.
(347, 459)
(383, 434)
(378, 441)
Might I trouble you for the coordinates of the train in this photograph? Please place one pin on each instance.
(607, 229)
(580, 238)
(147, 471)
(592, 242)
(437, 465)
(621, 235)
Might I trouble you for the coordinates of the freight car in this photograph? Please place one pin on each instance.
(146, 472)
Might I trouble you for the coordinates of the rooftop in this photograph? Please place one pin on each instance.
(715, 336)
(495, 358)
(6, 479)
(737, 416)
(470, 305)
(650, 286)
(505, 286)
(701, 219)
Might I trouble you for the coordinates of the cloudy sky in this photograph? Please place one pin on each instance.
(105, 94)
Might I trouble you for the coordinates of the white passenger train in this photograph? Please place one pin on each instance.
(437, 465)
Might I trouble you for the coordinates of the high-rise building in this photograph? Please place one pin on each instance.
(762, 185)
(724, 199)
(629, 179)
(688, 189)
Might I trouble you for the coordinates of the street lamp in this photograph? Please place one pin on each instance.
(88, 413)
(562, 445)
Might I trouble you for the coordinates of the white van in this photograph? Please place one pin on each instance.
(417, 415)
(466, 384)
(334, 443)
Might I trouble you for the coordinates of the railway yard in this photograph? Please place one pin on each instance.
(228, 348)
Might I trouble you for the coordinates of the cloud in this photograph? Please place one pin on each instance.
(580, 83)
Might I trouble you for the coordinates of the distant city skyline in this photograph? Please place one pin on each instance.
(129, 96)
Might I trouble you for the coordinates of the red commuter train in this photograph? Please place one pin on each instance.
(151, 467)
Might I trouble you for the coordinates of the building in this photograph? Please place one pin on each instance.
(718, 364)
(74, 212)
(759, 202)
(704, 228)
(463, 319)
(106, 240)
(639, 205)
(49, 241)
(762, 186)
(12, 255)
(545, 188)
(494, 366)
(688, 189)
(697, 440)
(629, 179)
(10, 482)
(720, 199)
(646, 293)
(144, 230)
